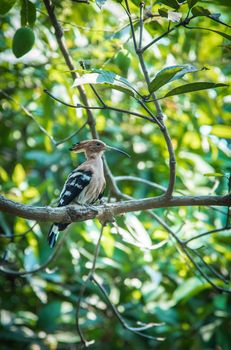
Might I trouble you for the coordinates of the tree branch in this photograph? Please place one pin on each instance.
(160, 116)
(137, 330)
(104, 107)
(139, 179)
(39, 268)
(84, 286)
(185, 250)
(73, 213)
(182, 23)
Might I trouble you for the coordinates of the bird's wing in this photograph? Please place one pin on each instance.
(76, 182)
(101, 193)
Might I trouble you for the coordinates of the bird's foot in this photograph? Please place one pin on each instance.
(92, 207)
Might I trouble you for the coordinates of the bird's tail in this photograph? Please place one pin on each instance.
(54, 233)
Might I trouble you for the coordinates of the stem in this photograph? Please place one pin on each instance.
(40, 267)
(206, 233)
(159, 119)
(104, 107)
(186, 252)
(138, 179)
(131, 24)
(136, 330)
(141, 24)
(21, 235)
(84, 287)
(183, 23)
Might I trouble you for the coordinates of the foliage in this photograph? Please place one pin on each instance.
(143, 269)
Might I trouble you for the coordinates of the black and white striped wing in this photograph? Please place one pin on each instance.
(76, 182)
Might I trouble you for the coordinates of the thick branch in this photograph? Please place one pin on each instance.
(73, 213)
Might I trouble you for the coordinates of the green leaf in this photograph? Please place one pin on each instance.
(188, 289)
(163, 77)
(193, 87)
(226, 36)
(221, 131)
(214, 174)
(6, 5)
(49, 316)
(28, 13)
(191, 3)
(163, 12)
(123, 60)
(186, 68)
(100, 3)
(200, 11)
(106, 78)
(171, 3)
(19, 174)
(169, 74)
(23, 41)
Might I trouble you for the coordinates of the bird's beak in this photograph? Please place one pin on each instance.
(109, 148)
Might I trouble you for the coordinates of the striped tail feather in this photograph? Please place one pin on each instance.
(54, 233)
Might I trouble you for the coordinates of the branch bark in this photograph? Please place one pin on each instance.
(73, 213)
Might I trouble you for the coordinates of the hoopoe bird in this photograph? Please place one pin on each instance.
(85, 184)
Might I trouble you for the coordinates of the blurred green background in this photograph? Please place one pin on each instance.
(146, 282)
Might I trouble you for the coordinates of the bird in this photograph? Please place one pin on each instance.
(85, 184)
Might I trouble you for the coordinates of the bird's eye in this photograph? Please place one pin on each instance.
(98, 144)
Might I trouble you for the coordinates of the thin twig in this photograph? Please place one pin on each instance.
(186, 252)
(21, 235)
(160, 117)
(51, 138)
(200, 28)
(87, 2)
(104, 107)
(206, 233)
(209, 267)
(138, 179)
(136, 330)
(202, 273)
(76, 132)
(40, 267)
(219, 21)
(83, 288)
(27, 112)
(154, 41)
(141, 24)
(127, 10)
(154, 118)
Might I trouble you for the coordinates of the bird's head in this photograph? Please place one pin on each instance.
(89, 146)
(92, 147)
